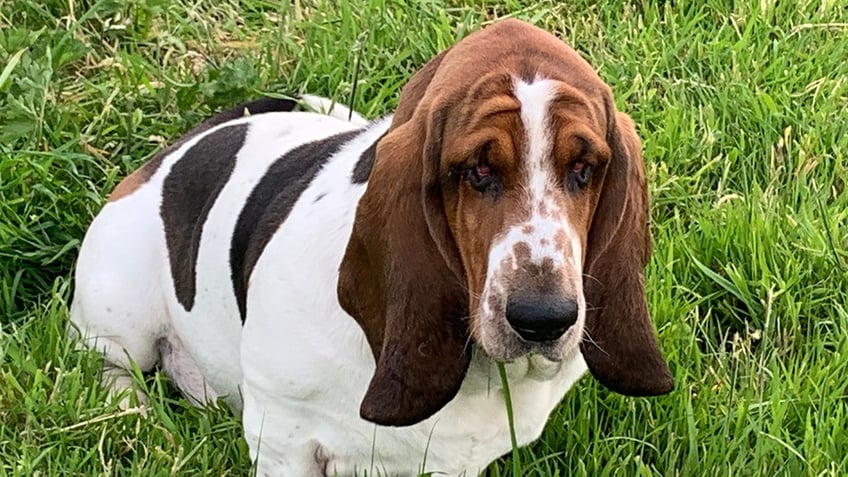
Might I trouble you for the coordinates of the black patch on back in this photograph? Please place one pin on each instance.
(188, 193)
(362, 169)
(270, 203)
(259, 106)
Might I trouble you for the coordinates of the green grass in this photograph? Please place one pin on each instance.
(742, 110)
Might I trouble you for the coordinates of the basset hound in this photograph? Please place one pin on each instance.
(349, 286)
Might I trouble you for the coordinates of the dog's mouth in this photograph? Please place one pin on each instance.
(501, 342)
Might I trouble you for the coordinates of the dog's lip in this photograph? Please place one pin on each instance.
(516, 347)
(551, 350)
(517, 329)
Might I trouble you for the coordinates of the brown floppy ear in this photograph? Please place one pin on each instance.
(397, 282)
(620, 348)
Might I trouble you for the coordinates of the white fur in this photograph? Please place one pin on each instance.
(327, 106)
(300, 365)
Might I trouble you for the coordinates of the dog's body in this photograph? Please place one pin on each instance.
(326, 365)
(240, 260)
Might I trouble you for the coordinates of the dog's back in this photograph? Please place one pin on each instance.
(155, 264)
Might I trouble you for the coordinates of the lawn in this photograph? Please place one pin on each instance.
(743, 111)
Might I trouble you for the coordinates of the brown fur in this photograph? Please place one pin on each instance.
(140, 176)
(416, 261)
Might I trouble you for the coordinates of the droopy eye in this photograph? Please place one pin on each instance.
(579, 174)
(479, 177)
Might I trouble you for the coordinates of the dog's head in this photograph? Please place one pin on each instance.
(507, 206)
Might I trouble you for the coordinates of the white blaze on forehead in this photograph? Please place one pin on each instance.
(542, 243)
(547, 225)
(535, 99)
(546, 220)
(545, 236)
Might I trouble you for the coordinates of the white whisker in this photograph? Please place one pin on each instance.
(588, 338)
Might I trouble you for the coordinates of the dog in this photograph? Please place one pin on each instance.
(350, 286)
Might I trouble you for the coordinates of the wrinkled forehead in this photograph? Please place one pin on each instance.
(553, 113)
(528, 115)
(478, 86)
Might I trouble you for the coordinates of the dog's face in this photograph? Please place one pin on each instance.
(521, 174)
(501, 184)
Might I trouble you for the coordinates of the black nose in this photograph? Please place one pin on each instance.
(541, 317)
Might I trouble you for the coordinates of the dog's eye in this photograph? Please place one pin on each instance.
(579, 174)
(479, 177)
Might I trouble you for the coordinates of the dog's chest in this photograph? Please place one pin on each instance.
(479, 411)
(472, 430)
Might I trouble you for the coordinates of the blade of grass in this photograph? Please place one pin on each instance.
(516, 458)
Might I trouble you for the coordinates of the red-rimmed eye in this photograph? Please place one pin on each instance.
(481, 171)
(479, 177)
(579, 175)
(577, 167)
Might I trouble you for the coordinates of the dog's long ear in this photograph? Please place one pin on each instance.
(399, 280)
(621, 349)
